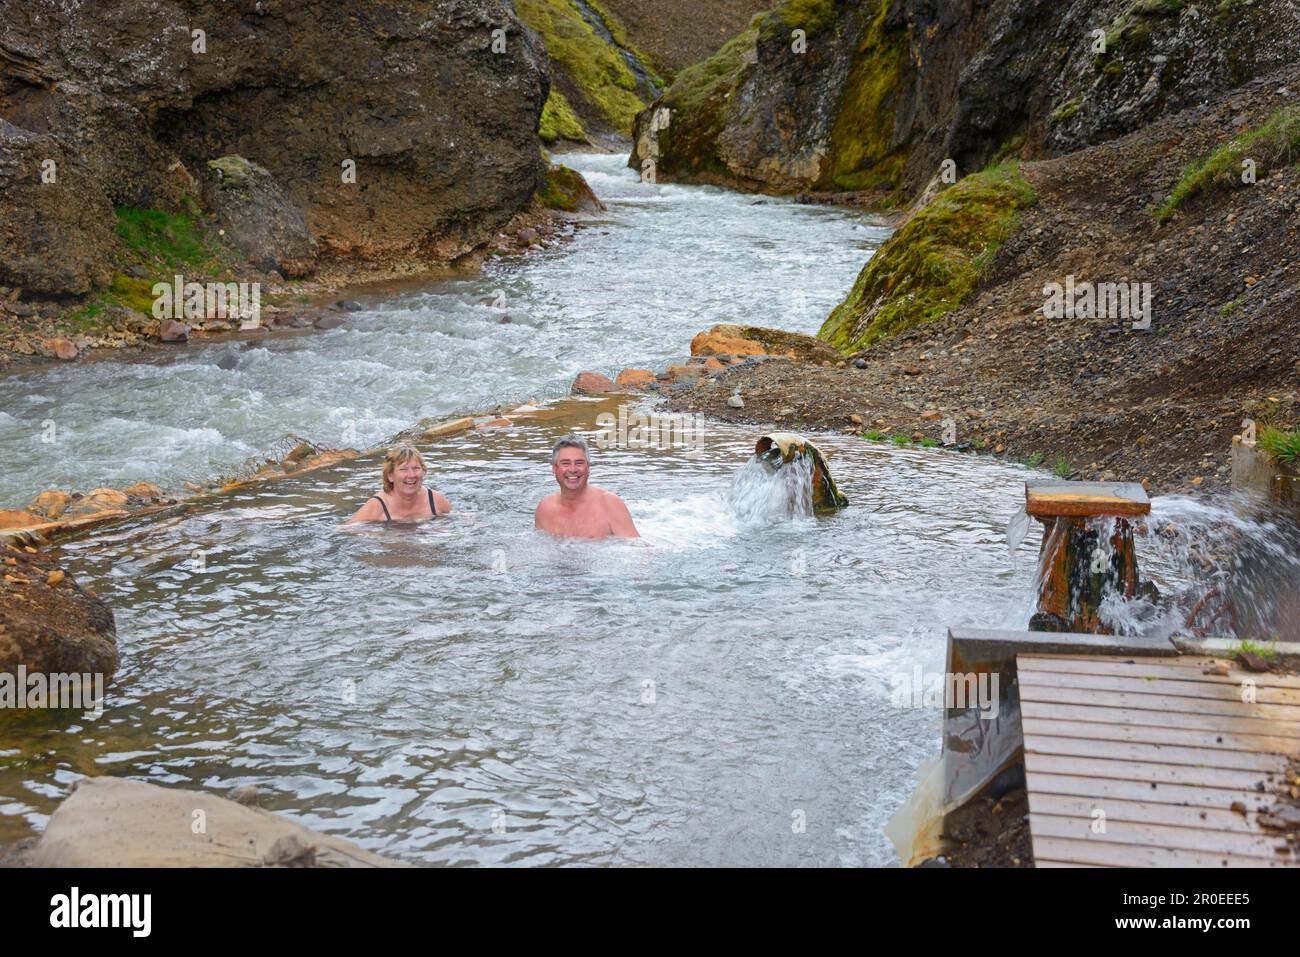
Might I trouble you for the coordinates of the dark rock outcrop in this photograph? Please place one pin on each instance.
(257, 217)
(134, 98)
(884, 91)
(50, 624)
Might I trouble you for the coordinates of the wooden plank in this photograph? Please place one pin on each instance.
(1156, 753)
(1186, 737)
(1144, 771)
(1139, 684)
(1123, 855)
(1161, 836)
(1043, 782)
(1048, 709)
(1166, 704)
(1144, 812)
(1073, 499)
(1153, 667)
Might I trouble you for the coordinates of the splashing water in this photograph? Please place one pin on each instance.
(1218, 574)
(762, 493)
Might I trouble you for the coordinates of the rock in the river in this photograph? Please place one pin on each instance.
(115, 822)
(591, 383)
(63, 348)
(51, 503)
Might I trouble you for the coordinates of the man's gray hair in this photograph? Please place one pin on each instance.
(570, 441)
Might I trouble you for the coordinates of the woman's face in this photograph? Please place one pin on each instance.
(408, 476)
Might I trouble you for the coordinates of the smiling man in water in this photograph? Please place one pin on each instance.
(579, 510)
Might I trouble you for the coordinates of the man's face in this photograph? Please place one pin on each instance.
(570, 468)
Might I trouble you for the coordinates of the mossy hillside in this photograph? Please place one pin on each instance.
(596, 68)
(1274, 142)
(811, 16)
(559, 121)
(618, 31)
(931, 265)
(1130, 32)
(698, 99)
(860, 155)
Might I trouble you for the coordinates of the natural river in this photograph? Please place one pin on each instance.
(469, 691)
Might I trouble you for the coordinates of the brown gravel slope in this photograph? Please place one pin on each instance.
(1091, 396)
(677, 33)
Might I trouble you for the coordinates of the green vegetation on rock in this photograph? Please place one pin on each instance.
(559, 122)
(563, 190)
(698, 99)
(1273, 142)
(933, 263)
(174, 240)
(597, 68)
(860, 155)
(807, 15)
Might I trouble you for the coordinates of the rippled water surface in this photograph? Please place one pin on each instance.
(671, 701)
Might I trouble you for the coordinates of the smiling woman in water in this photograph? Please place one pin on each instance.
(404, 497)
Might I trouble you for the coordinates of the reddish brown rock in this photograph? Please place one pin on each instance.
(62, 348)
(169, 330)
(591, 383)
(144, 490)
(51, 503)
(497, 423)
(635, 380)
(16, 518)
(724, 340)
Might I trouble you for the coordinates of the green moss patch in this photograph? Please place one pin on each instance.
(559, 121)
(1274, 142)
(934, 262)
(811, 16)
(563, 190)
(859, 154)
(174, 240)
(596, 68)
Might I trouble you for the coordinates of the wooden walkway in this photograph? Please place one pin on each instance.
(1150, 762)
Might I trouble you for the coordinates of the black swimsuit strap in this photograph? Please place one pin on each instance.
(387, 517)
(433, 506)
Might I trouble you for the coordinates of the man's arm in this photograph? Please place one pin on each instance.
(539, 516)
(620, 519)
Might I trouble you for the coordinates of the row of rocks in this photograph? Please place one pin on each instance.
(712, 351)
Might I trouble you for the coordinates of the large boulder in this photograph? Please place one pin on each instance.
(56, 235)
(258, 218)
(439, 129)
(48, 623)
(114, 822)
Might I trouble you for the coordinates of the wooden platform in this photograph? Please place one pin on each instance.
(1168, 753)
(1048, 500)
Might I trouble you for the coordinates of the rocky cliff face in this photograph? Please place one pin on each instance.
(858, 94)
(130, 101)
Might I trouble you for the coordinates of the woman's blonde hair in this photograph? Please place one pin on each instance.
(399, 455)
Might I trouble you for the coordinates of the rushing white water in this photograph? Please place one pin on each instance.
(631, 289)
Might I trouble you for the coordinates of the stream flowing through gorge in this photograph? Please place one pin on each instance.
(469, 691)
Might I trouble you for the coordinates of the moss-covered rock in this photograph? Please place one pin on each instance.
(559, 121)
(595, 70)
(566, 191)
(934, 262)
